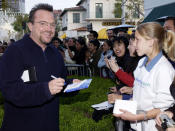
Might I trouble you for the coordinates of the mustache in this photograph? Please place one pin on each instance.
(50, 32)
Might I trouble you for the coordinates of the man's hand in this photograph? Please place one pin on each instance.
(56, 85)
(76, 80)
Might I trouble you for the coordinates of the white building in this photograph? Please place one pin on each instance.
(99, 13)
(8, 17)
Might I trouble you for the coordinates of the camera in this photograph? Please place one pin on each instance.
(166, 122)
(109, 57)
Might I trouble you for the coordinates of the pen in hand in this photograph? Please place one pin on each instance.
(52, 76)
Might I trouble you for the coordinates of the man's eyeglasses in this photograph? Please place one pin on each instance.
(46, 24)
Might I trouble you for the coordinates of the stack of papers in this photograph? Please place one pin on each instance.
(102, 106)
(127, 105)
(78, 86)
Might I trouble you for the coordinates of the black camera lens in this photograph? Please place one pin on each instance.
(109, 57)
(164, 125)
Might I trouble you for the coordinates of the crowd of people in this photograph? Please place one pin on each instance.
(141, 65)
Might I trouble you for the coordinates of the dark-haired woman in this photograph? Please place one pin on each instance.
(124, 65)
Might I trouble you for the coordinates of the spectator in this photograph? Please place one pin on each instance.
(169, 49)
(110, 34)
(95, 56)
(150, 90)
(107, 52)
(81, 48)
(87, 56)
(93, 35)
(57, 43)
(125, 76)
(70, 51)
(169, 24)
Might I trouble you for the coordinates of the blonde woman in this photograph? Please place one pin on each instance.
(153, 77)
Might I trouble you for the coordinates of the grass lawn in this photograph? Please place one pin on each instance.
(76, 111)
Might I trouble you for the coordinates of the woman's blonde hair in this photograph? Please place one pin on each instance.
(165, 39)
(169, 45)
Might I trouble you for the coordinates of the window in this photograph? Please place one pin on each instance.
(99, 10)
(76, 17)
(118, 10)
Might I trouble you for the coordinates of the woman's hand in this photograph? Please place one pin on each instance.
(112, 97)
(107, 63)
(113, 64)
(126, 89)
(125, 115)
(113, 89)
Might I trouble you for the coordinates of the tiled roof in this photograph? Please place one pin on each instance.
(77, 8)
(80, 2)
(81, 29)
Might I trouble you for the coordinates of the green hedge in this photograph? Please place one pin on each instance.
(76, 111)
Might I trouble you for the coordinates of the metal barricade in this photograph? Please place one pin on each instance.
(77, 69)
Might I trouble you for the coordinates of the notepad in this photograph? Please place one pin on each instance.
(128, 105)
(78, 86)
(102, 106)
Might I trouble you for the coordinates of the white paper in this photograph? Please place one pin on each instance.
(25, 76)
(103, 105)
(78, 86)
(128, 105)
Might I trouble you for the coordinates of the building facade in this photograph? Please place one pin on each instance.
(14, 5)
(12, 8)
(98, 14)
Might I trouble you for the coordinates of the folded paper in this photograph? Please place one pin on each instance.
(102, 106)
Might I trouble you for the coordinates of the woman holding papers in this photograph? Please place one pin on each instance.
(153, 77)
(124, 66)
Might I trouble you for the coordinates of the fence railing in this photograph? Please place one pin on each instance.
(82, 70)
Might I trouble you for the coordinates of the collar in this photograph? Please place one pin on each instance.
(30, 41)
(152, 62)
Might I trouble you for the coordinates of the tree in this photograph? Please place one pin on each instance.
(133, 9)
(19, 24)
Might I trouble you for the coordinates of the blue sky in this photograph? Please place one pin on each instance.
(57, 4)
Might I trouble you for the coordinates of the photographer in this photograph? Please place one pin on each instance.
(170, 112)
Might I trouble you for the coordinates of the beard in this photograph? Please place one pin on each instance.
(45, 41)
